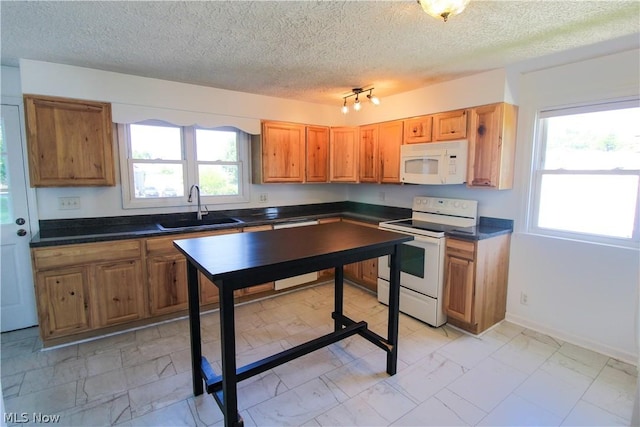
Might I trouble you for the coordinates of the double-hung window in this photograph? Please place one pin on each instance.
(587, 173)
(160, 162)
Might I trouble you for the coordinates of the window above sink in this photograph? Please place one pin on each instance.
(159, 161)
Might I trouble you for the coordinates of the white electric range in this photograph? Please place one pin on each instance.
(422, 259)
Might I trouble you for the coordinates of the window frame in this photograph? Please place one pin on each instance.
(190, 168)
(538, 172)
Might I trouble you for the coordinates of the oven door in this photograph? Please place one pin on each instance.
(421, 265)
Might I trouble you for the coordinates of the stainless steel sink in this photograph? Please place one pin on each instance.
(172, 224)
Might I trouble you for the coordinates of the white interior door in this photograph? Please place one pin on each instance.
(17, 303)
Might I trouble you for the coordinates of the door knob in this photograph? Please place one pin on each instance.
(22, 232)
(20, 221)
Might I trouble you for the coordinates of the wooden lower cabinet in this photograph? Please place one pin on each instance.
(167, 278)
(88, 286)
(475, 292)
(63, 301)
(167, 273)
(118, 297)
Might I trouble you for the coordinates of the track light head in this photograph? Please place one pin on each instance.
(357, 105)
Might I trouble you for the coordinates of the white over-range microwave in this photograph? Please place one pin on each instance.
(434, 163)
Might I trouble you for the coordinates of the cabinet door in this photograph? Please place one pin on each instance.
(352, 271)
(63, 301)
(368, 164)
(208, 291)
(343, 155)
(317, 158)
(450, 125)
(389, 142)
(69, 142)
(417, 129)
(167, 283)
(369, 273)
(459, 286)
(283, 152)
(117, 291)
(492, 146)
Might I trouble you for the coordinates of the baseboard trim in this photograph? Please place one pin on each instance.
(615, 353)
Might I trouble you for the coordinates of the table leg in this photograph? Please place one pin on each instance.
(338, 297)
(394, 309)
(228, 344)
(194, 328)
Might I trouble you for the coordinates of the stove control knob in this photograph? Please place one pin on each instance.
(464, 205)
(456, 204)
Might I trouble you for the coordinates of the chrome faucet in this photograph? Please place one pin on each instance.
(199, 213)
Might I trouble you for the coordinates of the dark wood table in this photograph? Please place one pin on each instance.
(236, 261)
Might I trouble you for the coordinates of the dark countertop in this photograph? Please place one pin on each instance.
(487, 227)
(89, 230)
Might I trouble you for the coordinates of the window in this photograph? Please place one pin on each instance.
(163, 161)
(587, 173)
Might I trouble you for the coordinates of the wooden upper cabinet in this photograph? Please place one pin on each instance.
(368, 165)
(389, 142)
(317, 145)
(417, 129)
(343, 154)
(450, 125)
(69, 142)
(283, 152)
(492, 143)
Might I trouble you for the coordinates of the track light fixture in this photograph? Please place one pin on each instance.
(356, 103)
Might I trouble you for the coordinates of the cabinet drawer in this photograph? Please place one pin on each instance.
(461, 248)
(84, 253)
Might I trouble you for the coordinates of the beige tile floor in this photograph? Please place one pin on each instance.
(509, 376)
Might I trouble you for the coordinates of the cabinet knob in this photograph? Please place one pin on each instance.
(21, 232)
(481, 130)
(20, 221)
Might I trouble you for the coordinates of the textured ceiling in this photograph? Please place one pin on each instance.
(308, 50)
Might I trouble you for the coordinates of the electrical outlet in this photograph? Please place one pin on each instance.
(381, 196)
(68, 203)
(263, 198)
(524, 298)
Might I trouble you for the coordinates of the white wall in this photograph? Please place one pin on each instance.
(135, 98)
(583, 293)
(478, 89)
